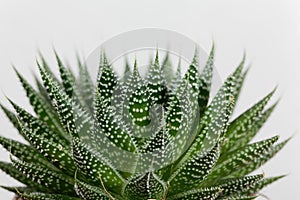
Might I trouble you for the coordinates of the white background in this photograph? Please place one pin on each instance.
(269, 31)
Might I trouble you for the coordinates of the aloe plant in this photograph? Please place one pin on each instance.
(135, 137)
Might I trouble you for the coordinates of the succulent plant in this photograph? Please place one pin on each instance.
(158, 136)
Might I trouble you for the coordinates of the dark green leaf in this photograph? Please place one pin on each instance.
(253, 165)
(55, 181)
(254, 189)
(89, 192)
(205, 80)
(15, 173)
(13, 119)
(44, 140)
(241, 158)
(237, 185)
(196, 194)
(146, 186)
(214, 122)
(167, 69)
(18, 189)
(24, 152)
(45, 196)
(68, 81)
(244, 127)
(97, 170)
(41, 108)
(194, 171)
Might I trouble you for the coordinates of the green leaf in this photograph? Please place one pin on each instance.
(181, 122)
(155, 142)
(57, 154)
(254, 189)
(68, 81)
(244, 127)
(55, 181)
(13, 119)
(194, 171)
(177, 76)
(106, 80)
(89, 192)
(240, 77)
(174, 113)
(46, 67)
(214, 122)
(205, 80)
(139, 107)
(44, 140)
(131, 108)
(107, 120)
(41, 108)
(15, 173)
(113, 127)
(24, 152)
(237, 185)
(192, 73)
(167, 69)
(145, 102)
(62, 104)
(45, 196)
(35, 125)
(262, 159)
(203, 137)
(18, 189)
(127, 70)
(128, 87)
(155, 83)
(43, 93)
(241, 197)
(85, 85)
(146, 186)
(241, 158)
(195, 194)
(97, 170)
